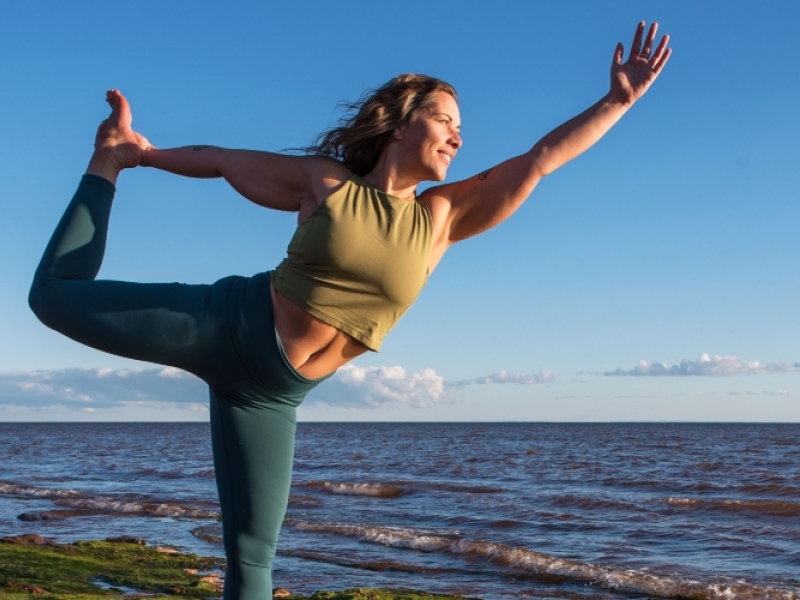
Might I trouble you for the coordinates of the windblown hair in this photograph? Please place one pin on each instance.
(361, 137)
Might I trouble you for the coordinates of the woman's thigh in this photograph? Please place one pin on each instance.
(174, 324)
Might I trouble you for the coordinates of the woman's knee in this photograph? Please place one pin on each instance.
(41, 302)
(46, 300)
(257, 549)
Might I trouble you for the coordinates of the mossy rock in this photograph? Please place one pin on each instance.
(34, 567)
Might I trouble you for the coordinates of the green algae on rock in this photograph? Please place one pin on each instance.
(31, 564)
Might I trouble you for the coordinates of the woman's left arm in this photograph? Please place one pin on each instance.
(481, 202)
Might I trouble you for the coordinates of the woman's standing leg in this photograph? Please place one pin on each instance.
(253, 430)
(253, 456)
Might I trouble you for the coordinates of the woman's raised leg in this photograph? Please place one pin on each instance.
(171, 324)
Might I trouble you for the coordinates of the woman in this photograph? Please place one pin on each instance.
(363, 250)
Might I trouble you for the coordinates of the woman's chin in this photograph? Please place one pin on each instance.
(439, 175)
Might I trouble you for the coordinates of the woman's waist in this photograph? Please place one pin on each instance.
(313, 347)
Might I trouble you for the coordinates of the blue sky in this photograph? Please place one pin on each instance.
(673, 239)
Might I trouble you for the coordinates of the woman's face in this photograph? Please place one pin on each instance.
(431, 138)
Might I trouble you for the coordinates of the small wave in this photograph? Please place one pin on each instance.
(772, 489)
(395, 537)
(461, 488)
(300, 501)
(536, 563)
(773, 508)
(624, 580)
(84, 505)
(709, 466)
(684, 501)
(586, 502)
(209, 533)
(374, 490)
(52, 515)
(14, 489)
(159, 473)
(640, 483)
(132, 507)
(406, 485)
(371, 565)
(507, 524)
(50, 478)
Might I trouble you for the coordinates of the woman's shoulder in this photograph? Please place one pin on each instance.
(324, 167)
(326, 176)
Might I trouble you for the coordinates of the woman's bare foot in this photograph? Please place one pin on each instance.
(116, 146)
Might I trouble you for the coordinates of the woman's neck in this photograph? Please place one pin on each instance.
(387, 178)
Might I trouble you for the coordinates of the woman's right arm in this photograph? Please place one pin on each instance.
(272, 180)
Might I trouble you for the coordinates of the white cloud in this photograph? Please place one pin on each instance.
(506, 377)
(376, 387)
(163, 389)
(716, 366)
(380, 386)
(89, 390)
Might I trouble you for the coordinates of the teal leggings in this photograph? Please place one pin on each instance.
(225, 334)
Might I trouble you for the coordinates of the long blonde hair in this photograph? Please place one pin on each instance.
(361, 137)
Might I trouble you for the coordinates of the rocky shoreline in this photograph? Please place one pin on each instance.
(127, 567)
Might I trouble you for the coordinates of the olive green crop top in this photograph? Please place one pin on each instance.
(359, 261)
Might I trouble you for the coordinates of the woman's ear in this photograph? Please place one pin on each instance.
(397, 134)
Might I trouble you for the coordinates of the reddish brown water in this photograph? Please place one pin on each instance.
(496, 510)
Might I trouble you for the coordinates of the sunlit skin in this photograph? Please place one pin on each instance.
(420, 150)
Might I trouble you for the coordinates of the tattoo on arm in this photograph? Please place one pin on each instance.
(485, 174)
(196, 148)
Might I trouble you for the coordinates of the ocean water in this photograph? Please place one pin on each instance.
(499, 511)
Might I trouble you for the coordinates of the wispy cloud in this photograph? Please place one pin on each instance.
(354, 386)
(92, 390)
(89, 390)
(506, 377)
(754, 393)
(708, 366)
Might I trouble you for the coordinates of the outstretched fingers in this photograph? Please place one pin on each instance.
(618, 52)
(648, 43)
(636, 45)
(656, 56)
(662, 61)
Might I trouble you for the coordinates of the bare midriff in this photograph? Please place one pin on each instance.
(314, 348)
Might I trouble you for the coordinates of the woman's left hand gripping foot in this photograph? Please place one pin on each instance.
(117, 146)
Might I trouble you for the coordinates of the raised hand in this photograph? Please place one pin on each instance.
(631, 79)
